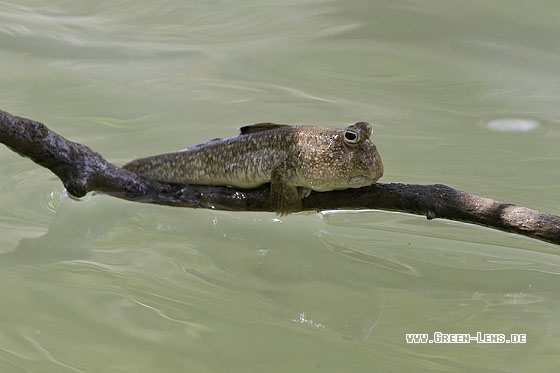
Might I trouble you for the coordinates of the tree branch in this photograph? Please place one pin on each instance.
(82, 170)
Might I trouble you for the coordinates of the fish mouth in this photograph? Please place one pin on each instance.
(361, 180)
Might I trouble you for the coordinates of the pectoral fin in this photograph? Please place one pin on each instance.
(285, 198)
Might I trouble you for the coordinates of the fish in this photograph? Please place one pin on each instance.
(295, 160)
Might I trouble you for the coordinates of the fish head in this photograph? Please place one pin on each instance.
(340, 159)
(360, 155)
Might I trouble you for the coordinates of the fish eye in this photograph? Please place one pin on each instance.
(351, 137)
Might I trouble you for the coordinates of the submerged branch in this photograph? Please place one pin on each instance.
(82, 170)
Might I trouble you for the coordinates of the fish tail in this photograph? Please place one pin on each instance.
(157, 167)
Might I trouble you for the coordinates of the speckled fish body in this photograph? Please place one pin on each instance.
(244, 161)
(289, 157)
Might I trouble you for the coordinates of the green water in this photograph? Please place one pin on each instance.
(461, 93)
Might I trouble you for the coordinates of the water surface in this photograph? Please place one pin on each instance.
(461, 93)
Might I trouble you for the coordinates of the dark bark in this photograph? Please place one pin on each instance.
(83, 170)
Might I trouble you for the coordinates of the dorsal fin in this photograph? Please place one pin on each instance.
(259, 127)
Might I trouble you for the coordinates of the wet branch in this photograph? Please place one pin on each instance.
(82, 170)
